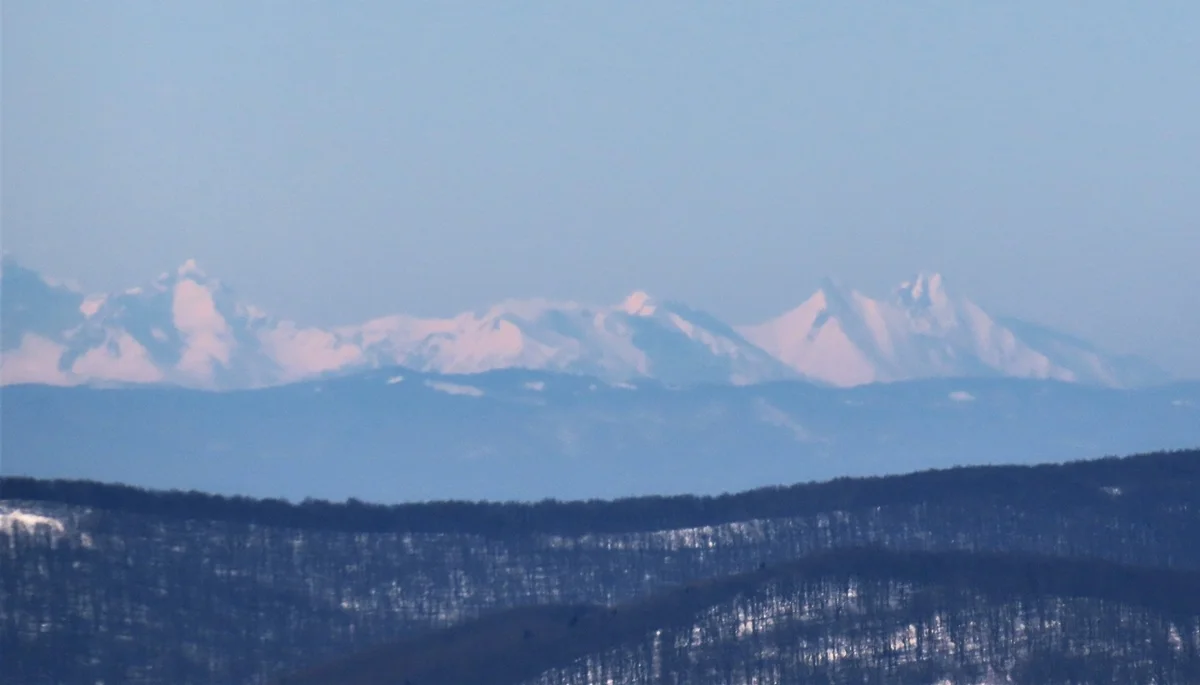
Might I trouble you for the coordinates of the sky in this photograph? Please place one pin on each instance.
(336, 161)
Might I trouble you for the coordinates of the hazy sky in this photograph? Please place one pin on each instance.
(338, 160)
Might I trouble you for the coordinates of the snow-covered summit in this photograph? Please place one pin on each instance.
(925, 330)
(184, 327)
(188, 328)
(927, 289)
(636, 338)
(638, 304)
(192, 269)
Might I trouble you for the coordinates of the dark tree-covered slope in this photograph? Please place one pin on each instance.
(862, 615)
(1128, 483)
(114, 584)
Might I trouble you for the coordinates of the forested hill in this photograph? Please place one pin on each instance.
(862, 615)
(113, 584)
(1127, 481)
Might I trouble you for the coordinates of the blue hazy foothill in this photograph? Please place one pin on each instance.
(398, 435)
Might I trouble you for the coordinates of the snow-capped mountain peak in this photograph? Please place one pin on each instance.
(190, 268)
(638, 303)
(930, 307)
(184, 327)
(833, 336)
(845, 338)
(637, 338)
(187, 272)
(927, 289)
(834, 286)
(188, 328)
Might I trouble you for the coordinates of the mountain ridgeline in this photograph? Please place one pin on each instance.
(188, 328)
(1068, 573)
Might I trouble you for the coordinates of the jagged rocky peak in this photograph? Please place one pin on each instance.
(830, 284)
(926, 289)
(189, 270)
(835, 294)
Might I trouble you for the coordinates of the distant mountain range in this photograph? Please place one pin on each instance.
(187, 328)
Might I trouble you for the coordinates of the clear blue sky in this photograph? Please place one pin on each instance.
(338, 160)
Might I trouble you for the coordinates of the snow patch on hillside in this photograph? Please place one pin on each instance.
(775, 416)
(13, 521)
(454, 388)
